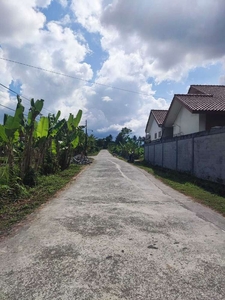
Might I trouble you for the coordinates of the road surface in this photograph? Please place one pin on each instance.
(116, 233)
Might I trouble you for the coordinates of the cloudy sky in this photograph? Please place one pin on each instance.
(120, 58)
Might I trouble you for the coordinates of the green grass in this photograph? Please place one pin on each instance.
(205, 192)
(13, 211)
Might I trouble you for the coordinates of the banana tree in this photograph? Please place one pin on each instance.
(69, 139)
(10, 133)
(40, 138)
(46, 134)
(56, 128)
(29, 127)
(91, 144)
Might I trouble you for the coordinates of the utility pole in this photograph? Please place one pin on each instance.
(85, 138)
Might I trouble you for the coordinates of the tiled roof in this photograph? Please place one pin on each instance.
(159, 115)
(215, 90)
(211, 98)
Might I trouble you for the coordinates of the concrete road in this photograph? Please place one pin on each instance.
(116, 233)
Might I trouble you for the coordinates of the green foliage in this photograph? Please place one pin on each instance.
(13, 211)
(69, 140)
(30, 178)
(4, 175)
(55, 126)
(5, 191)
(124, 145)
(3, 135)
(53, 147)
(123, 136)
(75, 142)
(50, 165)
(28, 142)
(42, 127)
(9, 136)
(35, 109)
(76, 121)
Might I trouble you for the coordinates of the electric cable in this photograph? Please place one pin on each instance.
(73, 77)
(21, 96)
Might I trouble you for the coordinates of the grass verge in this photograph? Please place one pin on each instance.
(13, 211)
(205, 192)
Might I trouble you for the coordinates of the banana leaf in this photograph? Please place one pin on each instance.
(42, 127)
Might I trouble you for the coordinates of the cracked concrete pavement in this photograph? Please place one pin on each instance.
(116, 233)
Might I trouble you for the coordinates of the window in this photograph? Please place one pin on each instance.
(159, 135)
(155, 135)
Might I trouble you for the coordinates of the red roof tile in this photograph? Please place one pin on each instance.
(215, 90)
(210, 98)
(159, 115)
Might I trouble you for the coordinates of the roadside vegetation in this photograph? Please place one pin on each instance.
(205, 192)
(126, 145)
(14, 210)
(35, 158)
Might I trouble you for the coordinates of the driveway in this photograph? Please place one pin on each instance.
(116, 233)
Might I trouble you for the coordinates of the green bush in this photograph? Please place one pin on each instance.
(4, 175)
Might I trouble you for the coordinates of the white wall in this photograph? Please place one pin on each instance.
(203, 156)
(186, 123)
(202, 122)
(155, 129)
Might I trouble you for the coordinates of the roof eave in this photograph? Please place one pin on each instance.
(175, 98)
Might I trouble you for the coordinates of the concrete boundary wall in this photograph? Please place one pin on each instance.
(201, 154)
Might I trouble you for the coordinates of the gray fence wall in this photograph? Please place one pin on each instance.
(201, 154)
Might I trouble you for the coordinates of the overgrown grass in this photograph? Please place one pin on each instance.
(205, 192)
(13, 211)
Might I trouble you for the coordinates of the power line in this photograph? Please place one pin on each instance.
(73, 77)
(7, 107)
(14, 109)
(14, 92)
(21, 95)
(10, 108)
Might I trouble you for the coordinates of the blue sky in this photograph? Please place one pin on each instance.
(140, 53)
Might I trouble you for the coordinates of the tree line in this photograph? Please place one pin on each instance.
(124, 144)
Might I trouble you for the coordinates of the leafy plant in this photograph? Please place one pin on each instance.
(9, 135)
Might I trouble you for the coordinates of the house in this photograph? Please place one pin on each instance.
(153, 130)
(202, 108)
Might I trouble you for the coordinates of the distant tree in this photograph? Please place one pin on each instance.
(109, 138)
(123, 135)
(107, 141)
(134, 138)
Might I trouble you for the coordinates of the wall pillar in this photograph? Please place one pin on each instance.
(193, 156)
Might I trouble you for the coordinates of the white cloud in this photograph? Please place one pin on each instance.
(106, 99)
(53, 47)
(171, 36)
(88, 13)
(4, 95)
(114, 127)
(143, 41)
(20, 23)
(39, 3)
